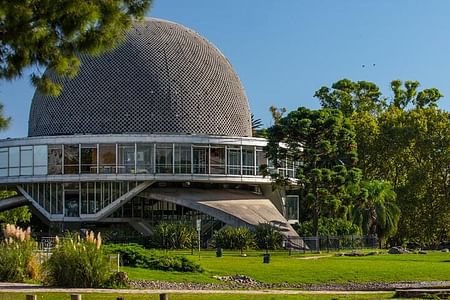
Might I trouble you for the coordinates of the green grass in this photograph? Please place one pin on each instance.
(293, 269)
(96, 296)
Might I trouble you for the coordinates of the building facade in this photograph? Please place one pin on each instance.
(156, 130)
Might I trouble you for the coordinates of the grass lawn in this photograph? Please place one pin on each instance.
(296, 269)
(62, 296)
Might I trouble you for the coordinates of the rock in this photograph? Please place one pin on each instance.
(444, 250)
(373, 253)
(354, 253)
(398, 250)
(339, 254)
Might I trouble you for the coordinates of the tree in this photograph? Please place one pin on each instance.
(350, 97)
(406, 143)
(375, 210)
(322, 142)
(52, 34)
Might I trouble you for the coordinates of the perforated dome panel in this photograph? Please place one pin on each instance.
(164, 78)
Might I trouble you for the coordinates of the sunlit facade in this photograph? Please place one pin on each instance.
(167, 139)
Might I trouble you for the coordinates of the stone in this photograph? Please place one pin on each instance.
(445, 250)
(398, 250)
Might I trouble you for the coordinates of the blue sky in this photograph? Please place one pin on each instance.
(285, 50)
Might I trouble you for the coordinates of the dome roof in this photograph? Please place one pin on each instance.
(165, 78)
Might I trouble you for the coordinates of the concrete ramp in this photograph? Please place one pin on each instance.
(13, 202)
(233, 207)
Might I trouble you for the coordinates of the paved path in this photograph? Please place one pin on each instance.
(33, 288)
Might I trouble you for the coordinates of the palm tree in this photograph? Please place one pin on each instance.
(376, 211)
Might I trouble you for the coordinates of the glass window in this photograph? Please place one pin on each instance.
(26, 160)
(183, 159)
(234, 161)
(144, 158)
(217, 160)
(14, 161)
(40, 160)
(107, 158)
(54, 159)
(164, 158)
(3, 162)
(200, 156)
(71, 200)
(89, 159)
(261, 159)
(126, 158)
(248, 161)
(71, 159)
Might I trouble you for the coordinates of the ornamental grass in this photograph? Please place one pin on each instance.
(18, 261)
(78, 262)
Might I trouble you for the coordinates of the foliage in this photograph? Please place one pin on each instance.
(349, 97)
(4, 121)
(240, 238)
(54, 33)
(14, 216)
(135, 255)
(77, 262)
(17, 260)
(174, 236)
(324, 142)
(375, 210)
(328, 227)
(268, 237)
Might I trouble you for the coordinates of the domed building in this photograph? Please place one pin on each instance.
(157, 130)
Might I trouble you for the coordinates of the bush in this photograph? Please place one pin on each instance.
(234, 238)
(174, 236)
(135, 255)
(17, 260)
(267, 237)
(77, 262)
(328, 226)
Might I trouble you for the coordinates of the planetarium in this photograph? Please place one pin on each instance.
(157, 130)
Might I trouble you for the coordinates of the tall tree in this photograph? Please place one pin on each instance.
(407, 144)
(323, 142)
(51, 34)
(43, 33)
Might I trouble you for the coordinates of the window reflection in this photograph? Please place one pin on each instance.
(200, 156)
(88, 158)
(26, 160)
(14, 161)
(40, 160)
(217, 161)
(248, 161)
(234, 161)
(54, 159)
(164, 157)
(144, 159)
(107, 158)
(3, 162)
(183, 159)
(126, 158)
(71, 159)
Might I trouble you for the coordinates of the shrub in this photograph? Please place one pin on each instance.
(77, 262)
(174, 236)
(135, 255)
(328, 226)
(17, 260)
(267, 237)
(234, 238)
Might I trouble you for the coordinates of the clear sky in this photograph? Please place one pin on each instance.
(284, 51)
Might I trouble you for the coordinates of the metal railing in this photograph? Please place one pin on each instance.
(332, 243)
